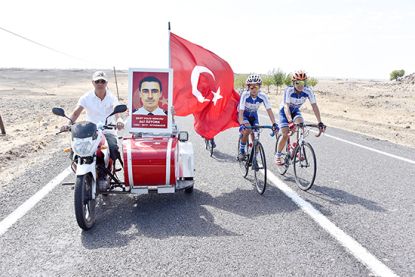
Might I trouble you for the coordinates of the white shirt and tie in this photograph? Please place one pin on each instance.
(143, 111)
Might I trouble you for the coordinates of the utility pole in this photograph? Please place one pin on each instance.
(116, 83)
(3, 131)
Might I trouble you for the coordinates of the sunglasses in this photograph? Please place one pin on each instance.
(253, 86)
(301, 83)
(100, 81)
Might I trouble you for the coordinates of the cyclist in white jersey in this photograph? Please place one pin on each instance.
(289, 113)
(249, 104)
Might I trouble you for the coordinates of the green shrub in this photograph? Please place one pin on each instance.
(394, 75)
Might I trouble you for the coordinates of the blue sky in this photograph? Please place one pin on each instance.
(345, 39)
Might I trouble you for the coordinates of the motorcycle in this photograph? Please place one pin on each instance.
(160, 163)
(90, 161)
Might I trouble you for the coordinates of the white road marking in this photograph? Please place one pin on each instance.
(364, 147)
(372, 149)
(351, 245)
(12, 218)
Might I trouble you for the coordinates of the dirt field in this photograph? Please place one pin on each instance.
(384, 110)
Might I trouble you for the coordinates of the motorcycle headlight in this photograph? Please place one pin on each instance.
(83, 147)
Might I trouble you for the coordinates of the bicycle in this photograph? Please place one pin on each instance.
(255, 158)
(301, 154)
(210, 145)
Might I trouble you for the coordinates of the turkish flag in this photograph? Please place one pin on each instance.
(203, 86)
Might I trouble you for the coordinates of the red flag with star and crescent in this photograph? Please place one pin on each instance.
(203, 86)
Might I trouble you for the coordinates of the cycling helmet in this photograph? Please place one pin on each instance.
(299, 76)
(253, 79)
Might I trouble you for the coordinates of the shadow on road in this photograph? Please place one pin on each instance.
(124, 218)
(223, 157)
(338, 197)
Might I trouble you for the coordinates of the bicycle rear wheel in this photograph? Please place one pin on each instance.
(305, 166)
(210, 147)
(283, 168)
(243, 163)
(259, 166)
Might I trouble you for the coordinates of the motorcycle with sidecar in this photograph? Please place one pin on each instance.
(160, 163)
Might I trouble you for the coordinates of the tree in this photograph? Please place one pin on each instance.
(239, 81)
(312, 82)
(394, 75)
(288, 79)
(267, 80)
(279, 78)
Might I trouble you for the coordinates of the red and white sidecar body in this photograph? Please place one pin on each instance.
(164, 164)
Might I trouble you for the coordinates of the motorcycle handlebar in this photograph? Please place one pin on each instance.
(110, 126)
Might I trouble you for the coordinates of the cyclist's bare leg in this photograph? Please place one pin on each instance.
(242, 147)
(281, 143)
(245, 134)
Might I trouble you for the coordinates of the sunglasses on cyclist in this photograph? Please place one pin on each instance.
(301, 83)
(100, 81)
(253, 86)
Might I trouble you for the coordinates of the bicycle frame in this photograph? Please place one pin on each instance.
(301, 133)
(300, 153)
(256, 160)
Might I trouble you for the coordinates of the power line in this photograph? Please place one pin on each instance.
(42, 45)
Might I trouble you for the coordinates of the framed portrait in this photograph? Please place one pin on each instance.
(150, 100)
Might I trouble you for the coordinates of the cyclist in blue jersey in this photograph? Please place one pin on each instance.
(289, 113)
(250, 101)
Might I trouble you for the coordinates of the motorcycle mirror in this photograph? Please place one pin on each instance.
(118, 109)
(58, 111)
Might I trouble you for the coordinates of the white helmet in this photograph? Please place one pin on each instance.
(253, 79)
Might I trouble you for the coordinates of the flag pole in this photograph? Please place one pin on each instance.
(169, 45)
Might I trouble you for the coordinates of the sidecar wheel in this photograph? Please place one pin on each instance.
(84, 204)
(188, 189)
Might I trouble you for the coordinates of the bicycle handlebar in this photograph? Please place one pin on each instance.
(302, 125)
(257, 127)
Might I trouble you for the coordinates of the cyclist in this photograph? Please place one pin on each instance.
(289, 114)
(250, 101)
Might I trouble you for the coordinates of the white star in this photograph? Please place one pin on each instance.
(216, 96)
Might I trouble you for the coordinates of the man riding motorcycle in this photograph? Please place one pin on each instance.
(99, 103)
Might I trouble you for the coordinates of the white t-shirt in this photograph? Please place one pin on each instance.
(96, 109)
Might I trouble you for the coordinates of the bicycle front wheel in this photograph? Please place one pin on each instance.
(259, 166)
(243, 163)
(305, 166)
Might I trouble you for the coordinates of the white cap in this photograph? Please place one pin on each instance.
(99, 75)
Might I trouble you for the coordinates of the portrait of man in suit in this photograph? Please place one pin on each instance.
(150, 91)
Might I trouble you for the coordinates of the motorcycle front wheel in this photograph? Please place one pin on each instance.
(84, 203)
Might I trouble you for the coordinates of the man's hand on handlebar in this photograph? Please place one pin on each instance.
(291, 126)
(65, 128)
(322, 127)
(120, 125)
(275, 128)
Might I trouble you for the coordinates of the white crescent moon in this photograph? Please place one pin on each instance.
(197, 70)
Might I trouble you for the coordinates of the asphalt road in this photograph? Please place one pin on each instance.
(224, 227)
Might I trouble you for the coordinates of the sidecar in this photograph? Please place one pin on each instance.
(158, 163)
(156, 156)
